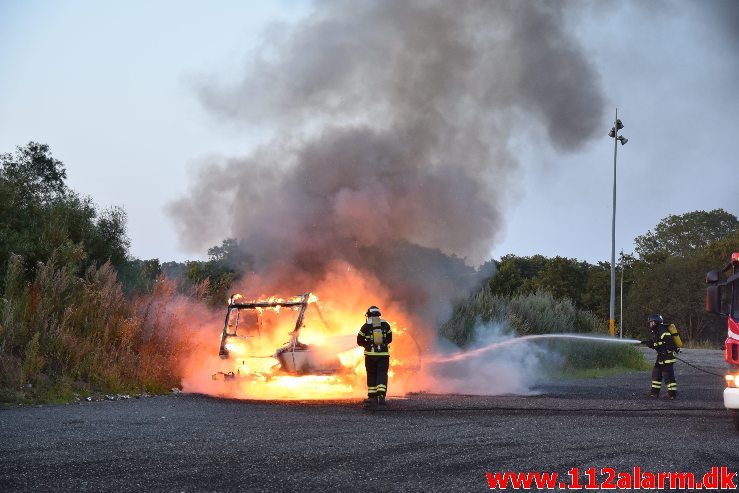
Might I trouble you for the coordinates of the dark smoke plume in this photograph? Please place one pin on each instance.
(392, 123)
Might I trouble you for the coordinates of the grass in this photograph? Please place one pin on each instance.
(702, 345)
(589, 373)
(581, 355)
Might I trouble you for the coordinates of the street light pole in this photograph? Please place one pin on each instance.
(621, 315)
(617, 125)
(612, 307)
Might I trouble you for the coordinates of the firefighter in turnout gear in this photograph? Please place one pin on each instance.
(662, 340)
(375, 336)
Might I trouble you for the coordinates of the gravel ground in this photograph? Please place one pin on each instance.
(420, 443)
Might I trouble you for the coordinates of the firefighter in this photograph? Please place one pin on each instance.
(375, 336)
(662, 341)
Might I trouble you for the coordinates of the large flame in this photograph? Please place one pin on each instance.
(330, 328)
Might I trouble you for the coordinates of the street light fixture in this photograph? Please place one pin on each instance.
(617, 125)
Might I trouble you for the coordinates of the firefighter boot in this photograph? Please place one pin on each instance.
(671, 395)
(370, 402)
(381, 400)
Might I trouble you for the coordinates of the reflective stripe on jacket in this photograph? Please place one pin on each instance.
(375, 336)
(663, 344)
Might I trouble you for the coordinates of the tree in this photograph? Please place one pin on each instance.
(515, 275)
(506, 280)
(41, 218)
(226, 263)
(230, 255)
(33, 173)
(676, 289)
(140, 276)
(563, 278)
(30, 179)
(685, 234)
(107, 240)
(595, 295)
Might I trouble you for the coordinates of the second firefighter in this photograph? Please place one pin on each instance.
(664, 342)
(375, 336)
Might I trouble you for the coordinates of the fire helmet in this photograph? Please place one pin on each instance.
(656, 318)
(373, 311)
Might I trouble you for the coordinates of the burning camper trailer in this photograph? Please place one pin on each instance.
(244, 334)
(287, 349)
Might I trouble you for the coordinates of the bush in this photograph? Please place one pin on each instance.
(541, 313)
(535, 313)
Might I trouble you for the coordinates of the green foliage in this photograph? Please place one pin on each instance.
(140, 276)
(563, 278)
(230, 255)
(40, 216)
(666, 278)
(515, 275)
(596, 294)
(685, 234)
(66, 323)
(226, 263)
(534, 313)
(542, 313)
(583, 355)
(586, 285)
(675, 288)
(108, 241)
(31, 173)
(174, 270)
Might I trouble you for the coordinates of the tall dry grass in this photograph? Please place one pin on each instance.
(62, 333)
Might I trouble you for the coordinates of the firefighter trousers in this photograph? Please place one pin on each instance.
(376, 367)
(666, 371)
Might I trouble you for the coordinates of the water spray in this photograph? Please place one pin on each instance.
(496, 345)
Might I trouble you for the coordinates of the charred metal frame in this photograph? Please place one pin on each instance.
(298, 301)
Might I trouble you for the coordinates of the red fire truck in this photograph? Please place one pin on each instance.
(722, 297)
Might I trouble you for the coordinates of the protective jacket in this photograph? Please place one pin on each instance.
(374, 337)
(663, 343)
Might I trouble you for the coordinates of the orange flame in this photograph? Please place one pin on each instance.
(330, 327)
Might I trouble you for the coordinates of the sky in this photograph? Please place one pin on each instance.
(116, 90)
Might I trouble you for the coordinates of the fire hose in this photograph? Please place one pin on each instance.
(696, 367)
(554, 409)
(699, 368)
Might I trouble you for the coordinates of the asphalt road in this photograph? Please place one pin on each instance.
(420, 443)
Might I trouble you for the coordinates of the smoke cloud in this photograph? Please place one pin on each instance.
(391, 123)
(509, 369)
